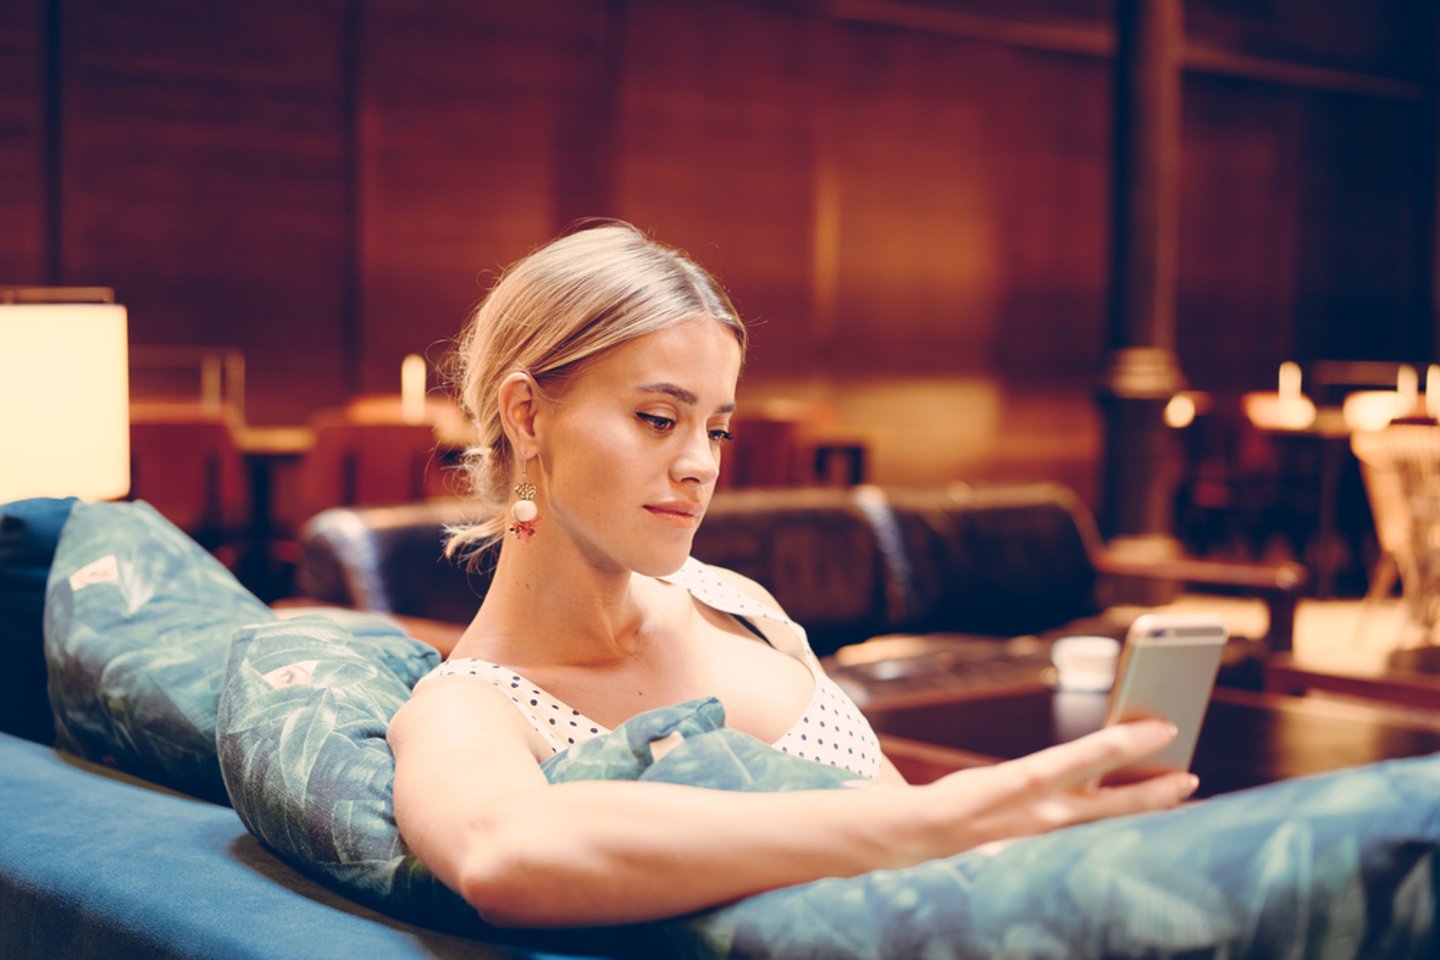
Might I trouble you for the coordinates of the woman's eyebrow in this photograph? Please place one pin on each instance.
(681, 394)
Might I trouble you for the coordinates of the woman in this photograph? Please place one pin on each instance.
(601, 374)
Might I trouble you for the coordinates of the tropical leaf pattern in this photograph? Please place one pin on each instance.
(144, 674)
(138, 621)
(304, 756)
(138, 624)
(1288, 870)
(1337, 866)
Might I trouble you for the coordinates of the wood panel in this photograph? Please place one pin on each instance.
(1393, 38)
(920, 194)
(484, 130)
(1054, 242)
(1236, 270)
(714, 155)
(23, 181)
(1302, 231)
(204, 178)
(1361, 230)
(892, 189)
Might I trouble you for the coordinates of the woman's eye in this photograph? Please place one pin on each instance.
(659, 423)
(721, 436)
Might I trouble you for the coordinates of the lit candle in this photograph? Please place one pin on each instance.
(412, 389)
(1289, 380)
(1407, 389)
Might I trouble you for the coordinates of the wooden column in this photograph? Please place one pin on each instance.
(1141, 371)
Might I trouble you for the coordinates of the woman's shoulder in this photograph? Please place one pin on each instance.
(449, 706)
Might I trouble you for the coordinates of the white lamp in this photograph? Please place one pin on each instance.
(64, 401)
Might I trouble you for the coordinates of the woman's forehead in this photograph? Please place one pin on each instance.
(702, 357)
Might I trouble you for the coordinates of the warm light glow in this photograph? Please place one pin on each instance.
(1289, 387)
(1179, 412)
(64, 401)
(212, 389)
(412, 389)
(1407, 387)
(1371, 409)
(1271, 411)
(1432, 391)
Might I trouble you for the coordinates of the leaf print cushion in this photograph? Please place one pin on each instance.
(302, 720)
(138, 621)
(1342, 865)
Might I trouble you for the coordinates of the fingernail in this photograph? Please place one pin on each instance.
(1191, 785)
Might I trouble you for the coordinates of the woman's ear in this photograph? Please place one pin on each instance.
(519, 402)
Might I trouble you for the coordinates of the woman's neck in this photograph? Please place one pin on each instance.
(550, 604)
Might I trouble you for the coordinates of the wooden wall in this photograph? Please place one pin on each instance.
(908, 197)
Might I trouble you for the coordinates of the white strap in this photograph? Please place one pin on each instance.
(712, 590)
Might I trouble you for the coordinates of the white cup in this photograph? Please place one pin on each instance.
(1085, 663)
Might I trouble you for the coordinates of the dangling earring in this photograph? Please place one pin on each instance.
(523, 511)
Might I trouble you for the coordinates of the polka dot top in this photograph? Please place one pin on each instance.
(831, 731)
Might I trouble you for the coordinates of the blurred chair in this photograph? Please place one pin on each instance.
(1401, 467)
(213, 377)
(768, 452)
(368, 462)
(184, 462)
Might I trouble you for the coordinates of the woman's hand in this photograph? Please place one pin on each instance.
(1053, 788)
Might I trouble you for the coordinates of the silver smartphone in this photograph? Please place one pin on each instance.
(1167, 669)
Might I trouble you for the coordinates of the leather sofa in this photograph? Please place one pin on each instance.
(937, 583)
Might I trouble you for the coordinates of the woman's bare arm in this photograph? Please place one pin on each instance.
(472, 803)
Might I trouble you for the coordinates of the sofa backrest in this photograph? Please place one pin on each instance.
(999, 561)
(847, 563)
(814, 548)
(391, 560)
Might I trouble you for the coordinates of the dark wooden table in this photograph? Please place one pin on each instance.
(1248, 739)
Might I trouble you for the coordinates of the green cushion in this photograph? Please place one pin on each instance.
(709, 754)
(302, 722)
(138, 621)
(1339, 865)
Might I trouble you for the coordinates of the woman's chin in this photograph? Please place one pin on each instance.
(663, 562)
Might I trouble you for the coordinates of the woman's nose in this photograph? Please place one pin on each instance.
(698, 458)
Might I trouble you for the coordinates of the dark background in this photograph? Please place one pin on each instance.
(910, 199)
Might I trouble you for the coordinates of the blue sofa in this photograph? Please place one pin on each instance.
(96, 863)
(102, 864)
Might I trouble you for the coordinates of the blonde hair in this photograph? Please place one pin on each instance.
(569, 300)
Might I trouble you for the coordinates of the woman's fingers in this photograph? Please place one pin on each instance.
(1157, 793)
(1092, 756)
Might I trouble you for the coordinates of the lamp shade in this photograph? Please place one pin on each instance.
(64, 401)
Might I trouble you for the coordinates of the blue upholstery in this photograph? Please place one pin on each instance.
(95, 864)
(29, 530)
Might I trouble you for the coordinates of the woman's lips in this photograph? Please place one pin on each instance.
(675, 517)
